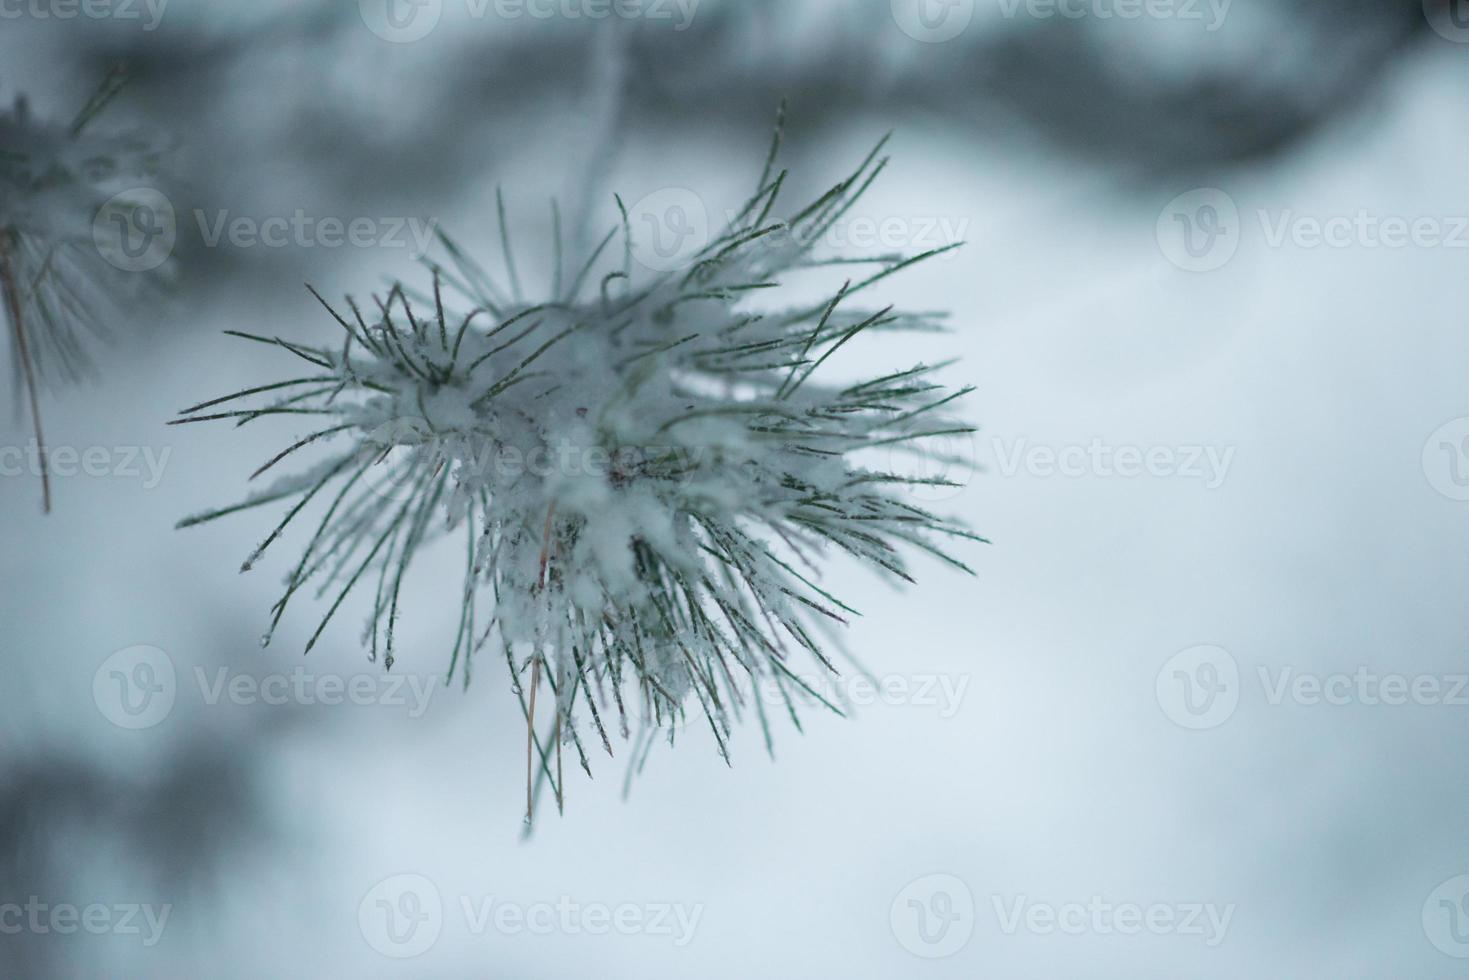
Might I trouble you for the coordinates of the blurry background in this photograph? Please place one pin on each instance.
(1218, 247)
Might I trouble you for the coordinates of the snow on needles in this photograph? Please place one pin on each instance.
(644, 472)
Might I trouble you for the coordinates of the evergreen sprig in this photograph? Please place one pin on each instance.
(667, 557)
(58, 291)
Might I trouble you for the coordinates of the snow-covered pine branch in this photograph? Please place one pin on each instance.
(643, 473)
(60, 292)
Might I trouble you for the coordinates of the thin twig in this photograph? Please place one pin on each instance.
(28, 369)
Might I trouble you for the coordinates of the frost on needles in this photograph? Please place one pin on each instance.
(643, 473)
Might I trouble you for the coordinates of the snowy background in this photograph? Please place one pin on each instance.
(1201, 711)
